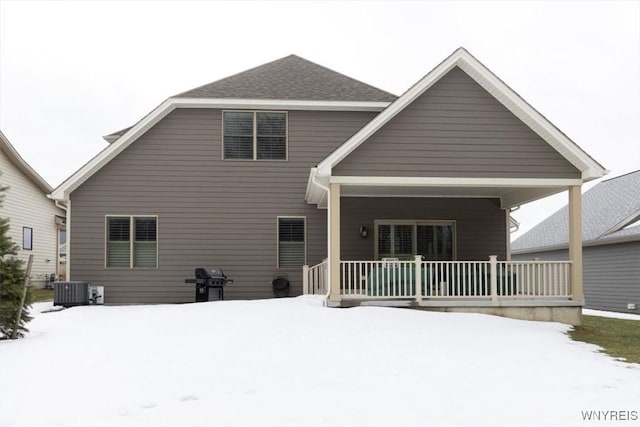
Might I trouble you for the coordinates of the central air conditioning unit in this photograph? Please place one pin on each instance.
(74, 293)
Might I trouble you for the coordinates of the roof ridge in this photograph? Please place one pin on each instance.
(342, 74)
(290, 77)
(233, 75)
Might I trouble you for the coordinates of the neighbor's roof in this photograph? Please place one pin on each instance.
(610, 213)
(15, 158)
(291, 77)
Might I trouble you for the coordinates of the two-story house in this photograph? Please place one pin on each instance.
(391, 200)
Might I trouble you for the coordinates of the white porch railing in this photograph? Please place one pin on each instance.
(314, 279)
(455, 279)
(537, 279)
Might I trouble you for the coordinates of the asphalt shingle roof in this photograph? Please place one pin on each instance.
(290, 78)
(604, 207)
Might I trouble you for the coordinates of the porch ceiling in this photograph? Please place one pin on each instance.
(510, 191)
(509, 196)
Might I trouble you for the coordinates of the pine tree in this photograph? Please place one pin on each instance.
(12, 276)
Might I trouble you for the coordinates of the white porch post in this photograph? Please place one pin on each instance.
(418, 276)
(575, 241)
(305, 280)
(334, 248)
(493, 276)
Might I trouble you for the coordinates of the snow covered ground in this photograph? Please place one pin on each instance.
(292, 362)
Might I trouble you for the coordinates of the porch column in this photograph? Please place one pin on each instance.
(575, 241)
(334, 239)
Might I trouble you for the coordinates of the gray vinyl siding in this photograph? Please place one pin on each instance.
(456, 129)
(210, 212)
(480, 223)
(611, 274)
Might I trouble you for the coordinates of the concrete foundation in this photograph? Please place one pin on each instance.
(562, 311)
(569, 315)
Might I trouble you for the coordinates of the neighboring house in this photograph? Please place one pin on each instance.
(36, 223)
(610, 240)
(291, 164)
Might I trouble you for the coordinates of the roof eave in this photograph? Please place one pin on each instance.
(24, 167)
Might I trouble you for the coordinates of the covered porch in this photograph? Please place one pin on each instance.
(443, 246)
(433, 178)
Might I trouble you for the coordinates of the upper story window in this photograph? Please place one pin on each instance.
(255, 135)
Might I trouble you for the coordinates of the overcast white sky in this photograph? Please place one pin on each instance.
(71, 72)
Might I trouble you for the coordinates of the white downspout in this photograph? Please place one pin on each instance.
(59, 205)
(326, 189)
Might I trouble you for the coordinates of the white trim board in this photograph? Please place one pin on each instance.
(453, 182)
(490, 82)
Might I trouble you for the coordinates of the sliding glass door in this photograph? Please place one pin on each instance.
(404, 239)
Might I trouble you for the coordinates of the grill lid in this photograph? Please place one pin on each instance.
(210, 273)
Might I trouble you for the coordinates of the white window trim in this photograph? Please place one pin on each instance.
(131, 241)
(415, 223)
(30, 248)
(304, 218)
(255, 136)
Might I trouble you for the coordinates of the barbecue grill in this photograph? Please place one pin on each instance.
(210, 283)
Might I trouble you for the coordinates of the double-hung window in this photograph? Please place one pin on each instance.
(254, 135)
(291, 242)
(132, 242)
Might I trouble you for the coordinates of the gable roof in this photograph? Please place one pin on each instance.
(610, 212)
(461, 58)
(351, 96)
(15, 158)
(288, 78)
(291, 77)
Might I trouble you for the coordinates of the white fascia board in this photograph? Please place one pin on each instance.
(280, 104)
(105, 156)
(483, 76)
(453, 182)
